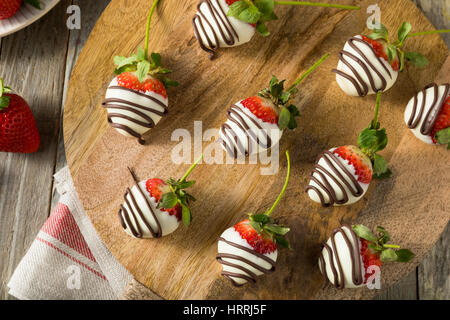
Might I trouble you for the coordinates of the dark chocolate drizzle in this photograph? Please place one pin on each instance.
(353, 246)
(356, 79)
(120, 104)
(248, 274)
(433, 112)
(220, 19)
(124, 215)
(236, 115)
(325, 176)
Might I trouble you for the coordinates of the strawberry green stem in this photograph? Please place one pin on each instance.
(191, 168)
(147, 34)
(316, 4)
(304, 75)
(285, 184)
(2, 85)
(393, 246)
(377, 109)
(428, 32)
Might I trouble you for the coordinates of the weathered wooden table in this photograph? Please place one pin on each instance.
(37, 63)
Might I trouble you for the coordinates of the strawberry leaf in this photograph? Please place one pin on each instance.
(284, 119)
(4, 102)
(294, 113)
(443, 137)
(169, 83)
(380, 168)
(186, 214)
(268, 17)
(167, 201)
(404, 255)
(364, 232)
(141, 54)
(388, 255)
(383, 235)
(265, 6)
(236, 8)
(254, 12)
(250, 15)
(276, 229)
(385, 175)
(263, 218)
(380, 33)
(401, 58)
(282, 241)
(403, 31)
(375, 247)
(276, 89)
(189, 198)
(155, 59)
(185, 184)
(121, 62)
(372, 140)
(416, 59)
(262, 29)
(391, 52)
(143, 69)
(256, 225)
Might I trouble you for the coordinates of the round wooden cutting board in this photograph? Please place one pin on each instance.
(182, 265)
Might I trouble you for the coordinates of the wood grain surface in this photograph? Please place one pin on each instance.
(183, 265)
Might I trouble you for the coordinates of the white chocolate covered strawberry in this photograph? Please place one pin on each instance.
(341, 176)
(154, 208)
(256, 124)
(363, 67)
(369, 64)
(136, 99)
(135, 107)
(249, 249)
(214, 28)
(353, 253)
(427, 114)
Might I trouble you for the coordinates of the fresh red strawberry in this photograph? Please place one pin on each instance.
(262, 243)
(156, 188)
(442, 120)
(129, 80)
(381, 51)
(369, 257)
(8, 8)
(262, 108)
(361, 163)
(18, 130)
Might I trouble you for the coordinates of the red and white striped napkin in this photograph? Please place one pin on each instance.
(68, 260)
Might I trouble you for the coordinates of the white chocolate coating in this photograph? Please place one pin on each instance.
(324, 178)
(132, 99)
(133, 219)
(262, 130)
(429, 95)
(233, 236)
(378, 64)
(344, 253)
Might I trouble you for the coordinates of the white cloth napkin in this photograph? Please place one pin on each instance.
(68, 260)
